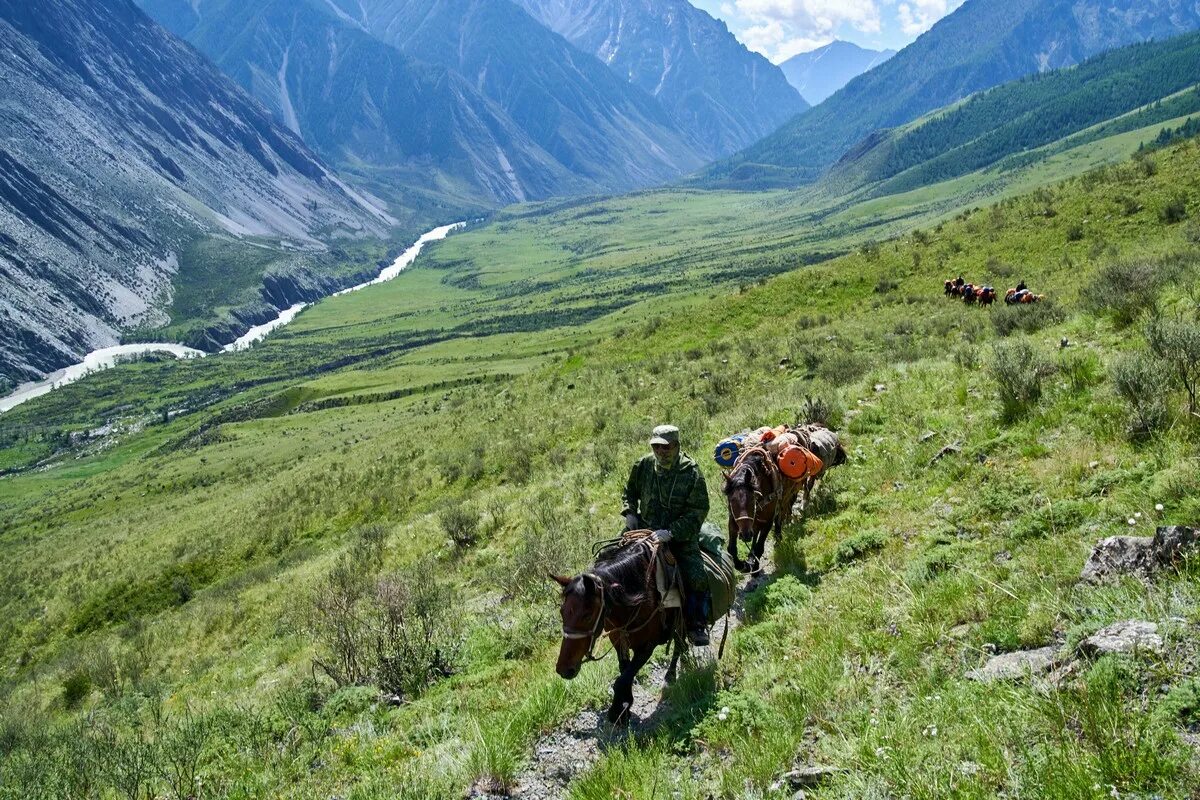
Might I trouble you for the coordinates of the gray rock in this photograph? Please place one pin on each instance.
(1014, 666)
(926, 436)
(1119, 555)
(1127, 636)
(1172, 542)
(808, 777)
(1139, 555)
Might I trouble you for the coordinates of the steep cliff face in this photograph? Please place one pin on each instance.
(724, 96)
(982, 44)
(604, 130)
(118, 143)
(362, 103)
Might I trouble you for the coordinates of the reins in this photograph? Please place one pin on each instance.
(598, 629)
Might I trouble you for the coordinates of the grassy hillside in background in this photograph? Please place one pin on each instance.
(164, 594)
(1157, 80)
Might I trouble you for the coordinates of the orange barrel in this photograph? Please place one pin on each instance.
(798, 463)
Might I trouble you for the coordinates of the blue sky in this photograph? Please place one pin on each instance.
(781, 28)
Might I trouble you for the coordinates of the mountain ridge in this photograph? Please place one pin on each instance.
(724, 95)
(118, 152)
(818, 73)
(979, 45)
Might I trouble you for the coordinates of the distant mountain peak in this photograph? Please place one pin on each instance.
(820, 72)
(716, 90)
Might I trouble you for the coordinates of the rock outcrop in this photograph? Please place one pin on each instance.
(1127, 636)
(1140, 556)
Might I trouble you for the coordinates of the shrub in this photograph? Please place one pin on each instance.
(1177, 343)
(1175, 210)
(1144, 384)
(461, 523)
(860, 544)
(1017, 370)
(1123, 290)
(843, 366)
(1081, 368)
(75, 688)
(1074, 232)
(399, 633)
(932, 562)
(966, 356)
(786, 592)
(821, 410)
(1026, 318)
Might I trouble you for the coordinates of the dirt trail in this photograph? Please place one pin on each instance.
(579, 744)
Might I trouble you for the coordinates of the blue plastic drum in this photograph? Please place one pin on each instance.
(727, 452)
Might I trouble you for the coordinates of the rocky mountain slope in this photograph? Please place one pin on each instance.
(723, 95)
(121, 144)
(598, 126)
(819, 73)
(366, 107)
(459, 101)
(982, 44)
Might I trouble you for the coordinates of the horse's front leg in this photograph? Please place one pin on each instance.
(623, 686)
(732, 546)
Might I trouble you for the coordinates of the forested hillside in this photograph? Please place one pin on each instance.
(182, 606)
(984, 43)
(1027, 114)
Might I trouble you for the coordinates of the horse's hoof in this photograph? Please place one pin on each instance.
(619, 715)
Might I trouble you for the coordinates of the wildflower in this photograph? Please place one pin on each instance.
(1138, 515)
(1132, 521)
(1158, 506)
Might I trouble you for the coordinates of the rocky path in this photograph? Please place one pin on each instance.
(578, 745)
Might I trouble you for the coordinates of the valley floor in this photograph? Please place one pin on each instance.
(433, 447)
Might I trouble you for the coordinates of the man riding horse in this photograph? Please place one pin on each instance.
(666, 493)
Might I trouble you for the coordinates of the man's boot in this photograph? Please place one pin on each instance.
(696, 617)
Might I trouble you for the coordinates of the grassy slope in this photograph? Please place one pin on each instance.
(252, 514)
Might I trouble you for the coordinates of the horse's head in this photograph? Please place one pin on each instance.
(582, 621)
(741, 490)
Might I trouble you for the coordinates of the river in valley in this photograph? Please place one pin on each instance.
(110, 356)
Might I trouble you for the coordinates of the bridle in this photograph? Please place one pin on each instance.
(596, 630)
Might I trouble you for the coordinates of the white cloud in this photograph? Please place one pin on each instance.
(781, 28)
(917, 16)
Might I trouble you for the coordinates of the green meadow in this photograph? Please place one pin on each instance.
(188, 608)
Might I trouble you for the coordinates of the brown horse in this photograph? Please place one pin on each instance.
(759, 499)
(618, 598)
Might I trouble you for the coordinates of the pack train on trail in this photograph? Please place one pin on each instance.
(769, 471)
(973, 294)
(667, 579)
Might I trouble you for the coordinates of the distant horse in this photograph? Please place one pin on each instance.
(759, 499)
(987, 296)
(970, 294)
(619, 598)
(1014, 297)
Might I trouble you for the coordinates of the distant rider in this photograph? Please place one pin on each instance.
(666, 493)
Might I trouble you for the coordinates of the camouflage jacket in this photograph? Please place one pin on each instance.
(674, 499)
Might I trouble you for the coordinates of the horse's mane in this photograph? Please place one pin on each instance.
(626, 571)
